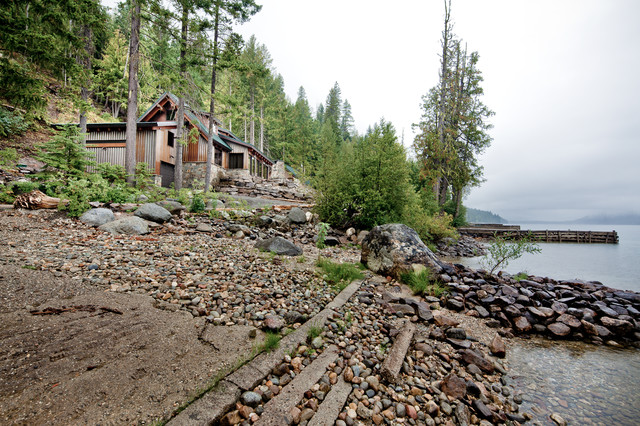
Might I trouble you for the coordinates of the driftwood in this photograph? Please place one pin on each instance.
(36, 200)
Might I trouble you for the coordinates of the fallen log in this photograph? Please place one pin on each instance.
(36, 200)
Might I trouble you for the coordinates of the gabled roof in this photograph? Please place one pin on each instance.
(229, 136)
(193, 119)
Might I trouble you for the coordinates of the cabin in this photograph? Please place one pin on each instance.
(156, 145)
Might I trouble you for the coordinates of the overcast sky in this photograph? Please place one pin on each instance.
(563, 78)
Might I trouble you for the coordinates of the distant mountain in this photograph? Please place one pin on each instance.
(605, 219)
(483, 216)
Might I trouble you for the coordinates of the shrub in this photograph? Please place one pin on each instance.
(197, 203)
(12, 123)
(500, 252)
(65, 154)
(8, 158)
(111, 172)
(144, 177)
(323, 228)
(6, 195)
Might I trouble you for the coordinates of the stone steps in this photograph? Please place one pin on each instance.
(213, 405)
(277, 412)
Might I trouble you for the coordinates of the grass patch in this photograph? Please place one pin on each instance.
(313, 332)
(340, 275)
(271, 342)
(422, 283)
(521, 276)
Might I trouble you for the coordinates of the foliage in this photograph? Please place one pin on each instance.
(500, 252)
(367, 183)
(12, 123)
(23, 187)
(65, 153)
(453, 130)
(339, 274)
(431, 227)
(197, 203)
(8, 157)
(81, 191)
(113, 173)
(521, 276)
(6, 194)
(323, 228)
(423, 283)
(144, 177)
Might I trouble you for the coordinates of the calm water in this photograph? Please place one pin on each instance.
(585, 384)
(615, 265)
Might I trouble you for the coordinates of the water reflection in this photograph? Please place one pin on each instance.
(585, 384)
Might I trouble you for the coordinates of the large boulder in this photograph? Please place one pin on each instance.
(297, 215)
(97, 217)
(394, 248)
(279, 245)
(153, 212)
(174, 207)
(130, 225)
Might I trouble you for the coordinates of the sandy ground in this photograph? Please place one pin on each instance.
(126, 364)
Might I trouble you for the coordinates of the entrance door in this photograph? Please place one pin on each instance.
(167, 172)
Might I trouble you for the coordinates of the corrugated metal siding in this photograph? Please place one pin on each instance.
(106, 136)
(109, 155)
(146, 148)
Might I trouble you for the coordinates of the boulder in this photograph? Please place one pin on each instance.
(297, 215)
(174, 207)
(279, 245)
(393, 248)
(153, 212)
(131, 225)
(97, 217)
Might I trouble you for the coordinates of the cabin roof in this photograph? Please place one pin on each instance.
(190, 116)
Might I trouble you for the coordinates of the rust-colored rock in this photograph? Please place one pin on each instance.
(497, 347)
(454, 386)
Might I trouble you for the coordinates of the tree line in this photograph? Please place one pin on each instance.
(123, 60)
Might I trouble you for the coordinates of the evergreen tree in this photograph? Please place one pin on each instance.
(346, 121)
(333, 109)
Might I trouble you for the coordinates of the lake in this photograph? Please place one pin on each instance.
(615, 265)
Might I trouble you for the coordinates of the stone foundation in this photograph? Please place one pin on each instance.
(192, 172)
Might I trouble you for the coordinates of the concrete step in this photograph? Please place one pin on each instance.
(330, 408)
(277, 412)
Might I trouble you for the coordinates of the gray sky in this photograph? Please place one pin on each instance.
(561, 76)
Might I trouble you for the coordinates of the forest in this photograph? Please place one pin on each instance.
(112, 65)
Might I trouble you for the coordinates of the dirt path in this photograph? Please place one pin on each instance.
(127, 363)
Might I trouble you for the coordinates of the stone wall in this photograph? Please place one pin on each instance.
(193, 171)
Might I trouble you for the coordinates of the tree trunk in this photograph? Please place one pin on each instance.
(262, 129)
(132, 102)
(212, 105)
(252, 123)
(179, 146)
(36, 200)
(183, 76)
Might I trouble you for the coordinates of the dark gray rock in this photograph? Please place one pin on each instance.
(153, 212)
(279, 245)
(131, 225)
(297, 215)
(393, 248)
(97, 217)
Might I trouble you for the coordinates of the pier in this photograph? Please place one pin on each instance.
(513, 232)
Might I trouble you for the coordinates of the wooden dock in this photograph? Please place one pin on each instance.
(546, 236)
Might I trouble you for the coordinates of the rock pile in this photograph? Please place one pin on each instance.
(463, 247)
(561, 309)
(289, 189)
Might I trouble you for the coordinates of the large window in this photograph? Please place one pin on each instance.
(236, 161)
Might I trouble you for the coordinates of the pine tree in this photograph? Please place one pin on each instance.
(333, 109)
(346, 121)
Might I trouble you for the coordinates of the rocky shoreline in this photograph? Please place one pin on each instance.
(452, 372)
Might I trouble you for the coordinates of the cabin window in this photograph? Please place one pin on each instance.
(170, 139)
(236, 161)
(218, 158)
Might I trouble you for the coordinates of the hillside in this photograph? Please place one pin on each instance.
(483, 216)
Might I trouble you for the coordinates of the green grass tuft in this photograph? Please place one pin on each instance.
(422, 283)
(271, 342)
(340, 275)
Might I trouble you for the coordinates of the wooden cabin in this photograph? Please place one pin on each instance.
(156, 145)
